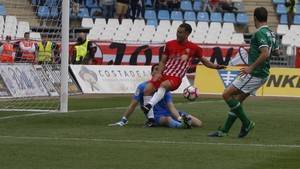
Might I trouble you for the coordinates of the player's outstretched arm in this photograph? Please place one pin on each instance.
(208, 64)
(126, 114)
(173, 110)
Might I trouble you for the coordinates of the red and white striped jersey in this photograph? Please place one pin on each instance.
(180, 57)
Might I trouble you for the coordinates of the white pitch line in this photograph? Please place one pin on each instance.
(87, 110)
(148, 141)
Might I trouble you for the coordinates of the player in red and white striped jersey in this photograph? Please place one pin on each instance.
(177, 58)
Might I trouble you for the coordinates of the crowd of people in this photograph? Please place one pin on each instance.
(136, 8)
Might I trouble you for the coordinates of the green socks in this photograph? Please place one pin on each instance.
(237, 108)
(229, 122)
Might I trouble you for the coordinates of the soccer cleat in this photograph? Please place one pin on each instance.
(149, 123)
(186, 121)
(217, 133)
(146, 108)
(245, 130)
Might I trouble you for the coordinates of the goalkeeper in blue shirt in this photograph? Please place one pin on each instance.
(164, 113)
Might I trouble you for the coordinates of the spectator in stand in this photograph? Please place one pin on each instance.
(121, 9)
(27, 49)
(161, 4)
(84, 50)
(174, 4)
(291, 10)
(227, 6)
(7, 51)
(211, 6)
(45, 51)
(75, 5)
(108, 8)
(136, 7)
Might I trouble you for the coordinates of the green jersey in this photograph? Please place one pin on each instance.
(264, 37)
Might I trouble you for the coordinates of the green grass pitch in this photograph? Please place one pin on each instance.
(81, 138)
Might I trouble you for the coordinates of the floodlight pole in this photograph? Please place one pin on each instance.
(64, 56)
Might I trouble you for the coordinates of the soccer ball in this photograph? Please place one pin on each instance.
(191, 93)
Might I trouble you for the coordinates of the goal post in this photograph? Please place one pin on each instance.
(29, 82)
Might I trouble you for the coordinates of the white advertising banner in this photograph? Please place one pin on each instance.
(114, 79)
(22, 80)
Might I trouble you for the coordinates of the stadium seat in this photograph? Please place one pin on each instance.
(165, 23)
(211, 38)
(215, 27)
(149, 3)
(176, 15)
(2, 10)
(35, 35)
(237, 39)
(152, 22)
(240, 6)
(283, 19)
(242, 18)
(87, 23)
(163, 15)
(140, 23)
(91, 3)
(43, 12)
(298, 8)
(216, 17)
(198, 37)
(54, 12)
(100, 22)
(280, 9)
(228, 27)
(229, 17)
(96, 12)
(282, 29)
(295, 29)
(147, 34)
(150, 14)
(297, 19)
(189, 16)
(51, 3)
(203, 17)
(186, 5)
(127, 22)
(202, 27)
(112, 23)
(83, 13)
(278, 1)
(224, 38)
(197, 6)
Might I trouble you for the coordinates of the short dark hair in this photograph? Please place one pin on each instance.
(187, 27)
(261, 14)
(153, 66)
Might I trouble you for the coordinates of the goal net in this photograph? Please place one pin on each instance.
(30, 55)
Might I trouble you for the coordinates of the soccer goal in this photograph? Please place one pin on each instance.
(34, 37)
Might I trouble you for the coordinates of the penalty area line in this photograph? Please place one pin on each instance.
(148, 141)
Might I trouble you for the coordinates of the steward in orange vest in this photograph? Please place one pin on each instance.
(6, 55)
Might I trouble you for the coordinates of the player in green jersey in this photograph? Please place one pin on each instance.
(252, 77)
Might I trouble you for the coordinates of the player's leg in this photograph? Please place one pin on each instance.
(231, 115)
(196, 122)
(148, 92)
(235, 104)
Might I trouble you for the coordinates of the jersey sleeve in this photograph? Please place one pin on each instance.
(199, 52)
(168, 97)
(137, 94)
(261, 39)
